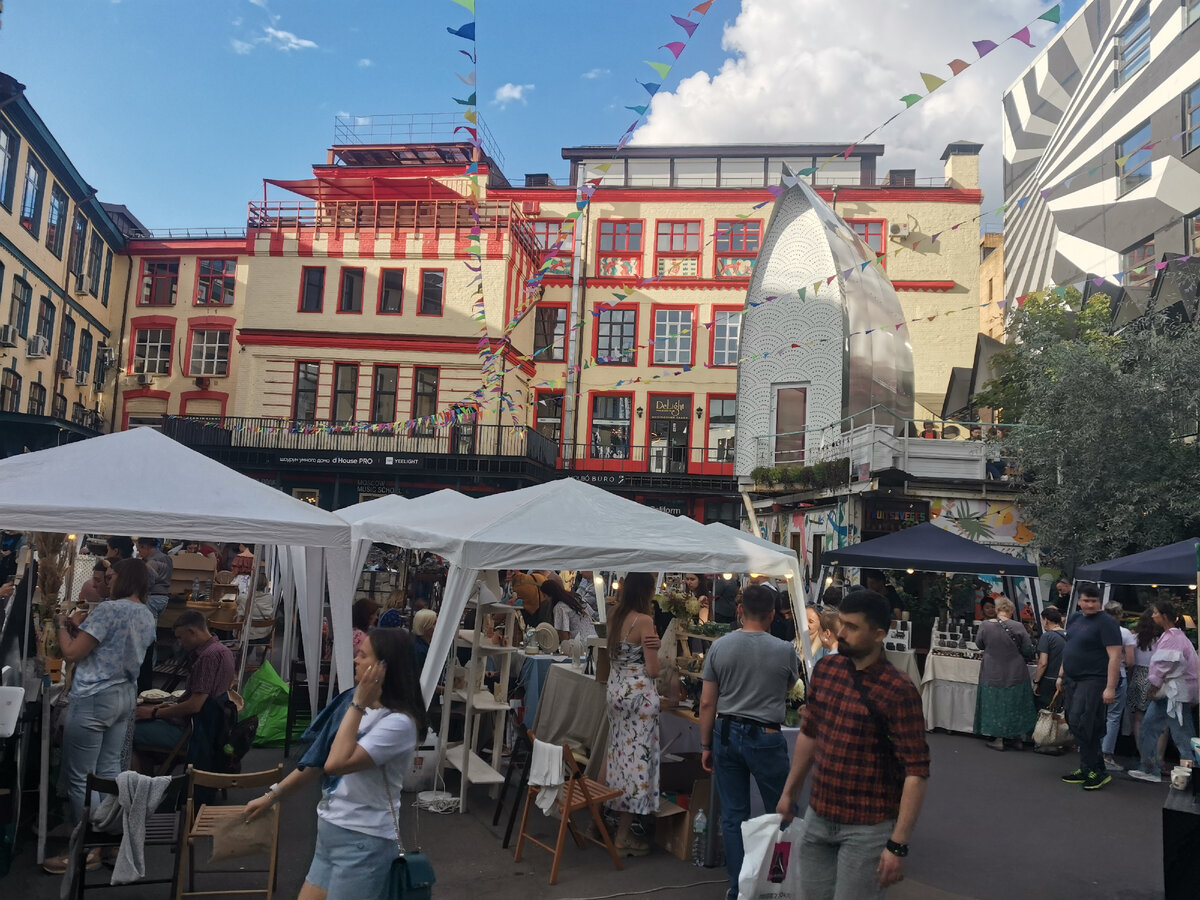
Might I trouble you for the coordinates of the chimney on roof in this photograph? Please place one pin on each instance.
(962, 164)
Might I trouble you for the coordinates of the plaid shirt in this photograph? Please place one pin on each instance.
(848, 783)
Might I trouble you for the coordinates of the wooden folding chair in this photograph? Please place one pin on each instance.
(578, 792)
(162, 760)
(209, 820)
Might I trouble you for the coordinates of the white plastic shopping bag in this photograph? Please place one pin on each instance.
(771, 865)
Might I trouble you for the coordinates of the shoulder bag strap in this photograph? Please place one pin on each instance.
(1013, 637)
(883, 737)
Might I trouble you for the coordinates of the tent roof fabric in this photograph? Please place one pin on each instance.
(1173, 564)
(142, 483)
(932, 549)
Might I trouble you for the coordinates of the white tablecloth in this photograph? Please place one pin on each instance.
(948, 692)
(906, 662)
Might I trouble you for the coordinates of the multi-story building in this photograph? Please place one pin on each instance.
(351, 308)
(62, 280)
(1099, 177)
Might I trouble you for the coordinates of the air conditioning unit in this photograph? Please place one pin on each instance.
(82, 376)
(899, 231)
(530, 207)
(64, 368)
(108, 356)
(8, 336)
(82, 284)
(37, 347)
(145, 379)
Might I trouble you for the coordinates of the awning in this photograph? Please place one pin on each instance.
(368, 188)
(1174, 564)
(928, 548)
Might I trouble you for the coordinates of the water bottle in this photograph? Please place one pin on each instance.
(195, 589)
(699, 839)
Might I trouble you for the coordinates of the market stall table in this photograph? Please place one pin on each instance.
(948, 692)
(906, 662)
(574, 710)
(534, 671)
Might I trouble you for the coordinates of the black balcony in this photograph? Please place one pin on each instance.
(22, 432)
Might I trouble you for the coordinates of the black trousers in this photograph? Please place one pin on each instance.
(1086, 715)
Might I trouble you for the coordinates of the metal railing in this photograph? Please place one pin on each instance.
(652, 459)
(166, 234)
(268, 433)
(413, 128)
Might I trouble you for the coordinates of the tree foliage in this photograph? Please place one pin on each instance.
(1108, 424)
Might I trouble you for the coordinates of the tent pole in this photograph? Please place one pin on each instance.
(248, 614)
(601, 597)
(751, 514)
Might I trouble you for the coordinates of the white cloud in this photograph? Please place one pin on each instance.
(786, 81)
(237, 23)
(365, 63)
(592, 74)
(511, 93)
(285, 40)
(240, 47)
(261, 4)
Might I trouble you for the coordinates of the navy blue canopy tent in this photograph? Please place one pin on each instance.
(1173, 564)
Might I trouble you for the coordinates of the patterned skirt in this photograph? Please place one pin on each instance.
(1005, 712)
(633, 740)
(1139, 687)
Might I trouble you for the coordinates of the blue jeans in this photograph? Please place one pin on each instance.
(1113, 718)
(93, 738)
(749, 751)
(156, 603)
(838, 862)
(1152, 726)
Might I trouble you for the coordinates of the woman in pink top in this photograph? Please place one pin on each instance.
(1173, 693)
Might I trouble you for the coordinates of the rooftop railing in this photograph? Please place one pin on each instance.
(412, 128)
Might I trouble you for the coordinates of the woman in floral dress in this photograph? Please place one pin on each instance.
(633, 709)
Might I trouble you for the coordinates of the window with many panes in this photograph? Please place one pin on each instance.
(31, 197)
(350, 293)
(1136, 169)
(610, 426)
(1133, 45)
(56, 221)
(10, 146)
(726, 336)
(549, 415)
(722, 417)
(677, 249)
(215, 281)
(10, 391)
(84, 363)
(391, 292)
(312, 289)
(345, 393)
(59, 408)
(1191, 118)
(95, 257)
(549, 333)
(304, 401)
(37, 399)
(616, 337)
(673, 337)
(1139, 256)
(152, 351)
(549, 232)
(78, 240)
(66, 347)
(425, 394)
(383, 394)
(433, 287)
(210, 352)
(620, 253)
(871, 232)
(160, 281)
(45, 319)
(22, 299)
(737, 244)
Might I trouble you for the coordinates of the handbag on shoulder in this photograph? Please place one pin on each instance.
(411, 874)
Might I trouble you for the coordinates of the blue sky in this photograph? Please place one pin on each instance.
(179, 108)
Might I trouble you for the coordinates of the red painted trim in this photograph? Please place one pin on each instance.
(296, 364)
(650, 415)
(341, 341)
(207, 323)
(196, 282)
(690, 254)
(412, 407)
(538, 394)
(389, 174)
(141, 281)
(334, 390)
(668, 284)
(300, 299)
(188, 396)
(623, 465)
(379, 310)
(140, 394)
(654, 308)
(139, 323)
(342, 287)
(712, 467)
(595, 326)
(639, 255)
(881, 255)
(939, 287)
(206, 247)
(421, 292)
(712, 340)
(395, 394)
(723, 225)
(742, 196)
(544, 357)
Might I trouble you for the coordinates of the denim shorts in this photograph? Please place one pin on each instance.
(349, 865)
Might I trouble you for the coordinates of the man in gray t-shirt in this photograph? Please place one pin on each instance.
(747, 675)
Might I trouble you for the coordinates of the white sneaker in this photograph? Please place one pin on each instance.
(1112, 765)
(1145, 776)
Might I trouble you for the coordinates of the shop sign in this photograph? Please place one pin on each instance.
(670, 507)
(333, 459)
(603, 479)
(670, 408)
(889, 515)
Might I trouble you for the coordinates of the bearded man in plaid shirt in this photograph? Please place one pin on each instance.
(863, 738)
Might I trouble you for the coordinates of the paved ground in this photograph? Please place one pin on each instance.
(995, 825)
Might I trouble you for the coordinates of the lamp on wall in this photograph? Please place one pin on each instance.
(640, 412)
(699, 412)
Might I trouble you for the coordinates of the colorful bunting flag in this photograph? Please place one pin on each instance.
(958, 66)
(466, 32)
(984, 47)
(932, 82)
(1023, 37)
(661, 68)
(689, 27)
(676, 47)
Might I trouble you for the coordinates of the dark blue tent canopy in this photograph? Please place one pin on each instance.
(1173, 564)
(932, 549)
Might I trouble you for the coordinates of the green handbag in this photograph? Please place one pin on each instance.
(411, 874)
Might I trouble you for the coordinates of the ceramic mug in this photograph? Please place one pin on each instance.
(1180, 776)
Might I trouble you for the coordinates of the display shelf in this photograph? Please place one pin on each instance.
(477, 771)
(482, 701)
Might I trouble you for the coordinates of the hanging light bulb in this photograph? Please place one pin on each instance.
(728, 576)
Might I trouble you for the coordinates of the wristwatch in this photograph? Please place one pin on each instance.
(897, 849)
(706, 746)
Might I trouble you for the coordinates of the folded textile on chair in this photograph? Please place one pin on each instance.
(546, 772)
(139, 797)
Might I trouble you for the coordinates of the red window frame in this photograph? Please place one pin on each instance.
(548, 357)
(362, 291)
(546, 233)
(538, 395)
(712, 337)
(209, 323)
(600, 462)
(748, 227)
(421, 295)
(375, 391)
(154, 278)
(145, 323)
(620, 236)
(211, 278)
(678, 230)
(718, 467)
(596, 332)
(316, 390)
(872, 228)
(412, 409)
(338, 366)
(379, 310)
(304, 270)
(655, 308)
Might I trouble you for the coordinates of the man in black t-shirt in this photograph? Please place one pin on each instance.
(1091, 667)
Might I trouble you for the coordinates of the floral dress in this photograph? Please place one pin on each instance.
(632, 732)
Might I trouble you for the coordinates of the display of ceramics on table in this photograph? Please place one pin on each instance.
(899, 636)
(954, 637)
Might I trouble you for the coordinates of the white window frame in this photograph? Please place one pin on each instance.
(727, 328)
(152, 346)
(675, 349)
(210, 352)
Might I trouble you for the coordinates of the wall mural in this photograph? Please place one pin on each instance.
(992, 522)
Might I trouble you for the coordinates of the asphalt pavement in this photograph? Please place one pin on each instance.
(995, 825)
